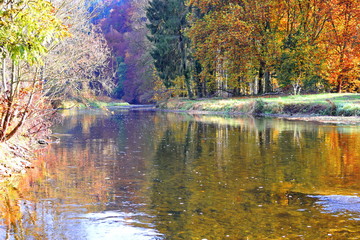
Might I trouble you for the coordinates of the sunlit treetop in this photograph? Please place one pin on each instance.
(28, 29)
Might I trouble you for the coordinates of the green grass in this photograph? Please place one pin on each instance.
(345, 104)
(100, 104)
(69, 104)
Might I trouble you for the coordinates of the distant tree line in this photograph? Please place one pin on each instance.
(123, 24)
(237, 47)
(202, 48)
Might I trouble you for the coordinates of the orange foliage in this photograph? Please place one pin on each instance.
(342, 43)
(247, 34)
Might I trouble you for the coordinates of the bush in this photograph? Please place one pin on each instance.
(258, 107)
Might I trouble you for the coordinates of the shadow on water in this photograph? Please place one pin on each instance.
(152, 175)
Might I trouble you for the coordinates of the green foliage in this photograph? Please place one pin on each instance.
(299, 65)
(28, 29)
(348, 109)
(121, 74)
(165, 28)
(259, 106)
(170, 50)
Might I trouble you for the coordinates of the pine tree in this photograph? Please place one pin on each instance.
(170, 51)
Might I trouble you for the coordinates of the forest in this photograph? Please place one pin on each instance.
(145, 51)
(212, 48)
(232, 48)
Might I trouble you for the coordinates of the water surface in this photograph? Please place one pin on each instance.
(153, 175)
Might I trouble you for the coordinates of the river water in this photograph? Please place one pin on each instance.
(140, 174)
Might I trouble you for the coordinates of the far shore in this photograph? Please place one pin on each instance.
(336, 120)
(329, 108)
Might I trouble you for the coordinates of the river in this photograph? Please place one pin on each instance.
(144, 174)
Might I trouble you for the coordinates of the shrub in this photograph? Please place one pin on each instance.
(258, 107)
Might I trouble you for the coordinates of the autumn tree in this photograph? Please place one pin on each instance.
(123, 24)
(234, 42)
(39, 63)
(77, 67)
(299, 43)
(301, 63)
(115, 26)
(342, 43)
(216, 46)
(28, 29)
(139, 77)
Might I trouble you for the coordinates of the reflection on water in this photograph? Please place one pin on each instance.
(340, 204)
(153, 175)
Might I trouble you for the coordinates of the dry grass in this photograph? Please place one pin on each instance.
(316, 104)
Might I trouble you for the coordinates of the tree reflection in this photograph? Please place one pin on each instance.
(217, 178)
(189, 177)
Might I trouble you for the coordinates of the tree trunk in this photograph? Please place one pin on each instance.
(199, 83)
(5, 121)
(339, 85)
(4, 82)
(188, 86)
(254, 87)
(261, 89)
(184, 66)
(6, 136)
(204, 89)
(268, 85)
(13, 78)
(199, 90)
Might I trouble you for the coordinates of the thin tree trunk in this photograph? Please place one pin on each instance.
(204, 89)
(5, 121)
(185, 71)
(25, 114)
(4, 82)
(13, 79)
(199, 83)
(199, 88)
(188, 86)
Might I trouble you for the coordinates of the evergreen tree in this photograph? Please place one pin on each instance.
(170, 51)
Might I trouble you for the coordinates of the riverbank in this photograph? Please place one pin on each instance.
(327, 108)
(17, 153)
(15, 156)
(102, 102)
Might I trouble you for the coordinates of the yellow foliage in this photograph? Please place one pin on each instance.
(161, 92)
(179, 88)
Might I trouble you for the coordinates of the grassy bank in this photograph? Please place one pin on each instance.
(88, 103)
(329, 104)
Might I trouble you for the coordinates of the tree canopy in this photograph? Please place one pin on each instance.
(47, 49)
(259, 46)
